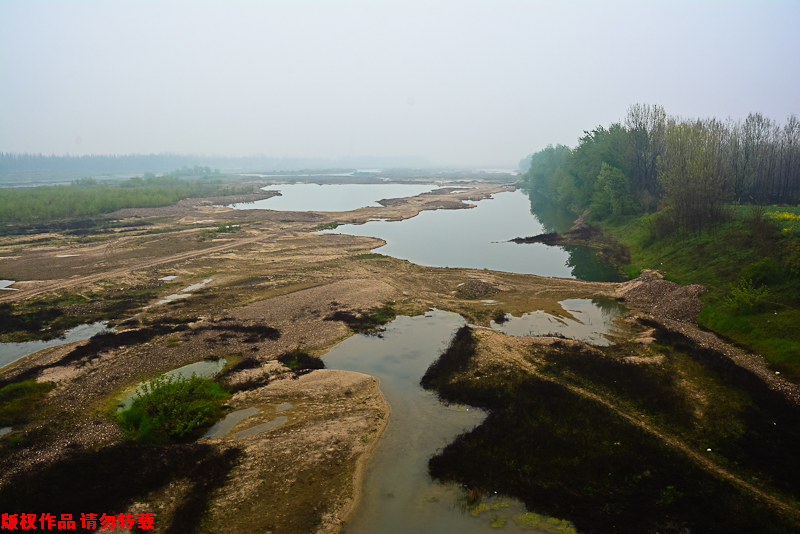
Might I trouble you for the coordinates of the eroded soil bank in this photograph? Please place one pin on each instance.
(276, 287)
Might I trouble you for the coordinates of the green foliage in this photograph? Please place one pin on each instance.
(83, 199)
(18, 400)
(745, 296)
(325, 226)
(611, 196)
(169, 409)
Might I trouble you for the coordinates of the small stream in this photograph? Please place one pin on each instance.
(398, 495)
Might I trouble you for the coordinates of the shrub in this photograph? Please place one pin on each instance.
(745, 295)
(169, 408)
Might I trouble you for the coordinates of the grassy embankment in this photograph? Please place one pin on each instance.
(692, 443)
(751, 267)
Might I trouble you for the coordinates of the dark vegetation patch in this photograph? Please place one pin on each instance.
(18, 400)
(365, 322)
(751, 428)
(369, 256)
(476, 289)
(111, 479)
(49, 317)
(298, 360)
(453, 360)
(655, 389)
(570, 457)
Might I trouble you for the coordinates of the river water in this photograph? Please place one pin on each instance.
(478, 238)
(332, 197)
(398, 495)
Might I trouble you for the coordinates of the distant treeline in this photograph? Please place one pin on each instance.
(11, 163)
(86, 198)
(693, 167)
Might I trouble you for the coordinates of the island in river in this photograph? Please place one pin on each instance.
(278, 287)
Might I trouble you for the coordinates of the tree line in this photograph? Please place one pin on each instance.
(689, 168)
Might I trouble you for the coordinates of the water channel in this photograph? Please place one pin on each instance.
(478, 238)
(398, 495)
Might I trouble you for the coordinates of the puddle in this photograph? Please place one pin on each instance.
(11, 352)
(283, 406)
(196, 286)
(5, 283)
(5, 430)
(258, 429)
(204, 369)
(224, 426)
(169, 298)
(203, 222)
(185, 290)
(594, 319)
(168, 278)
(67, 255)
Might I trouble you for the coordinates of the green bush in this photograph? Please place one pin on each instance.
(168, 409)
(746, 296)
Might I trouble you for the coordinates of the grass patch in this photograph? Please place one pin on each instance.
(170, 409)
(369, 256)
(18, 400)
(325, 226)
(751, 267)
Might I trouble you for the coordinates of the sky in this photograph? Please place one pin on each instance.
(454, 82)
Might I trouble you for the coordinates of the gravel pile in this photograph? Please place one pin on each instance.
(662, 298)
(476, 289)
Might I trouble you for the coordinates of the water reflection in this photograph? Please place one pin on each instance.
(478, 238)
(332, 197)
(11, 352)
(593, 321)
(398, 494)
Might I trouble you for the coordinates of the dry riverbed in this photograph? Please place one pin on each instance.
(274, 286)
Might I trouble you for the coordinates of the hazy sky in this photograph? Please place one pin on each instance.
(457, 82)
